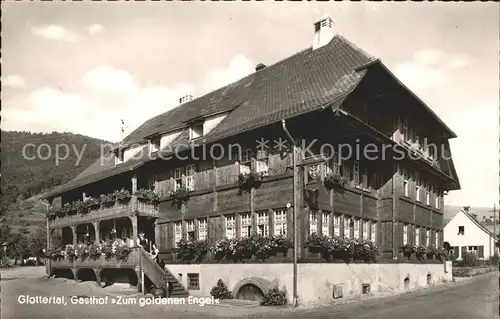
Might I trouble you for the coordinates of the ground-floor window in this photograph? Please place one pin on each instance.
(347, 227)
(325, 224)
(263, 224)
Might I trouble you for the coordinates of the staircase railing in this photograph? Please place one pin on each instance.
(152, 270)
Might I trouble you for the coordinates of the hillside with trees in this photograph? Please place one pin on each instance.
(25, 176)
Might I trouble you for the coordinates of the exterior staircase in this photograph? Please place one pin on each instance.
(160, 277)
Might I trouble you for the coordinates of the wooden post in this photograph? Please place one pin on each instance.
(96, 230)
(74, 231)
(135, 231)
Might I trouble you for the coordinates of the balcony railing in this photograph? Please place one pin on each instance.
(130, 262)
(102, 213)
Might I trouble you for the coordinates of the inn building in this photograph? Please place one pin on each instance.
(326, 99)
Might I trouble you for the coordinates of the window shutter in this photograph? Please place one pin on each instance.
(481, 251)
(464, 250)
(455, 251)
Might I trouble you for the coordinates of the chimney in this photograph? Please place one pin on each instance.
(185, 98)
(259, 67)
(323, 32)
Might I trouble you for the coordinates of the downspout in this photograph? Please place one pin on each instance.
(295, 207)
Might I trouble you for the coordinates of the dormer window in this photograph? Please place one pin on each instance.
(196, 131)
(154, 145)
(119, 156)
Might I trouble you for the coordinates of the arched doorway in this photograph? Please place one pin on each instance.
(250, 292)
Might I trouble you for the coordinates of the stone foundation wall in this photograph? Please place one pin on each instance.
(316, 282)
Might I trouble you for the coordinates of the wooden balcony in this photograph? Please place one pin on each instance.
(131, 262)
(134, 206)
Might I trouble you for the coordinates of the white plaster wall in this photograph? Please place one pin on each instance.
(473, 235)
(315, 281)
(130, 152)
(212, 121)
(167, 138)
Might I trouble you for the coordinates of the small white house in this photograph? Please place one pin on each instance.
(465, 234)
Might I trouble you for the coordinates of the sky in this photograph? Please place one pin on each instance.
(83, 67)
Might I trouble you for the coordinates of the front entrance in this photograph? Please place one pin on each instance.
(250, 292)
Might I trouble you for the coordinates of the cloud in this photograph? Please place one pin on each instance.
(238, 68)
(13, 81)
(429, 67)
(104, 97)
(94, 29)
(55, 32)
(475, 153)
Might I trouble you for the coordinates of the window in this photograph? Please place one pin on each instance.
(246, 156)
(196, 131)
(178, 233)
(472, 249)
(336, 225)
(437, 239)
(262, 165)
(152, 181)
(406, 183)
(178, 172)
(416, 137)
(405, 134)
(356, 228)
(202, 229)
(405, 234)
(154, 145)
(366, 229)
(428, 238)
(263, 224)
(193, 281)
(313, 222)
(246, 225)
(325, 224)
(190, 177)
(373, 232)
(280, 222)
(190, 229)
(417, 236)
(347, 227)
(461, 230)
(230, 227)
(419, 190)
(333, 162)
(437, 199)
(427, 195)
(355, 173)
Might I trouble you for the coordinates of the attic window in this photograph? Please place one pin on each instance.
(196, 131)
(154, 145)
(119, 156)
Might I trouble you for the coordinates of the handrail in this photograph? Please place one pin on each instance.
(152, 269)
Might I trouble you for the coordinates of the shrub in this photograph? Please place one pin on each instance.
(188, 251)
(334, 181)
(494, 260)
(248, 180)
(274, 297)
(470, 260)
(220, 291)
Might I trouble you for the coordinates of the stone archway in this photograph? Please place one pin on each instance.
(252, 288)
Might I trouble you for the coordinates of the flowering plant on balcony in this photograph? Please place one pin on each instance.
(92, 202)
(221, 249)
(192, 250)
(54, 254)
(122, 196)
(107, 200)
(71, 252)
(122, 252)
(107, 251)
(281, 242)
(334, 181)
(68, 209)
(95, 251)
(147, 195)
(343, 248)
(51, 214)
(179, 196)
(247, 181)
(81, 251)
(81, 207)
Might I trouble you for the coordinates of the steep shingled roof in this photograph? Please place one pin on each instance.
(304, 82)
